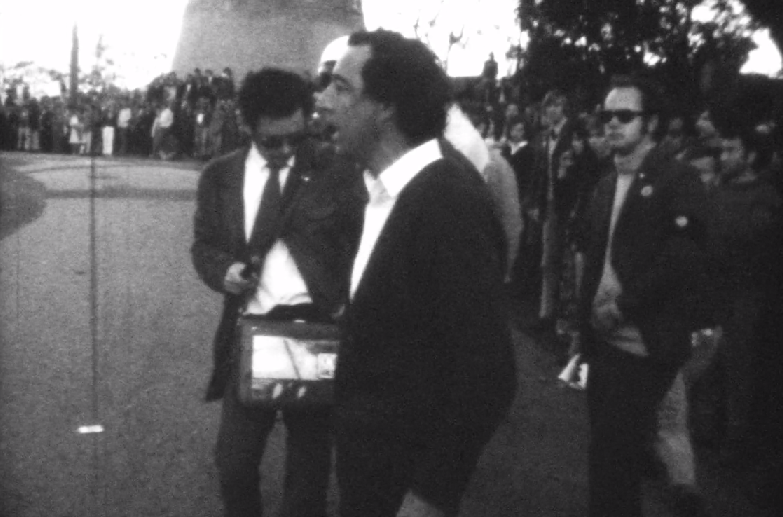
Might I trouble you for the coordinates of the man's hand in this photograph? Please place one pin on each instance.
(234, 283)
(566, 162)
(415, 506)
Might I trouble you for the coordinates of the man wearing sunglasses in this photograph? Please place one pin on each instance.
(276, 227)
(643, 243)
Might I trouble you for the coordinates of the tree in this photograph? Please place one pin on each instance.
(580, 43)
(767, 14)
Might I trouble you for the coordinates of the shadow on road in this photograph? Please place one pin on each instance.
(22, 200)
(146, 370)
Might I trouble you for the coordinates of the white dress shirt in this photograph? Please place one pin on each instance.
(280, 282)
(384, 191)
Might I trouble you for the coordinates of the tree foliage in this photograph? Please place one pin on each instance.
(768, 14)
(577, 44)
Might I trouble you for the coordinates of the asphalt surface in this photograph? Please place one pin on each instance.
(107, 324)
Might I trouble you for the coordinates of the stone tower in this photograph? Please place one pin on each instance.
(250, 34)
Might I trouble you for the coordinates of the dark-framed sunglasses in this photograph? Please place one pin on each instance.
(624, 116)
(277, 141)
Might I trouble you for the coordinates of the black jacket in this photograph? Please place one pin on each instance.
(427, 350)
(322, 214)
(658, 253)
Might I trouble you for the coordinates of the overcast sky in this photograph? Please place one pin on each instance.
(143, 33)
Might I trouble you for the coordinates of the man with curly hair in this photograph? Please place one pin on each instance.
(285, 200)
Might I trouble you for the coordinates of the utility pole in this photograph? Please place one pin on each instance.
(74, 66)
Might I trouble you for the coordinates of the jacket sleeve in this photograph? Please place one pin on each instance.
(211, 249)
(478, 359)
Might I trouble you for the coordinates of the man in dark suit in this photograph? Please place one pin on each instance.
(426, 371)
(282, 200)
(644, 244)
(552, 198)
(520, 154)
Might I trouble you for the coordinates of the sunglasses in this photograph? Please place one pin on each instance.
(277, 141)
(624, 116)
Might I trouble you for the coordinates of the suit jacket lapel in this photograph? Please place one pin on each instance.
(233, 183)
(641, 187)
(388, 240)
(605, 203)
(297, 178)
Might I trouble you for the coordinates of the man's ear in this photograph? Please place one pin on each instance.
(385, 115)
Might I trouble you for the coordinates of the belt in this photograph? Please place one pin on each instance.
(305, 312)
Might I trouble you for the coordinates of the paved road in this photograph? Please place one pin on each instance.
(139, 367)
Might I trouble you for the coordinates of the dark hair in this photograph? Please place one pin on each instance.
(731, 124)
(652, 99)
(555, 97)
(513, 121)
(405, 74)
(591, 123)
(274, 93)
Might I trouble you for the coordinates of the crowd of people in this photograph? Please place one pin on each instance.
(172, 118)
(646, 240)
(580, 192)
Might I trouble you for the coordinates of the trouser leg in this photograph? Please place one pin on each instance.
(377, 464)
(672, 441)
(123, 136)
(242, 437)
(373, 472)
(308, 462)
(87, 142)
(551, 262)
(623, 397)
(738, 360)
(108, 140)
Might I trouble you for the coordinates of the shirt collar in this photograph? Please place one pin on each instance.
(516, 146)
(395, 177)
(554, 133)
(256, 161)
(401, 172)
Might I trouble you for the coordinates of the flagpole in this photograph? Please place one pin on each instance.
(74, 86)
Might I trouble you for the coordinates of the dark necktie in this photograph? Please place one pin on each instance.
(270, 200)
(266, 223)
